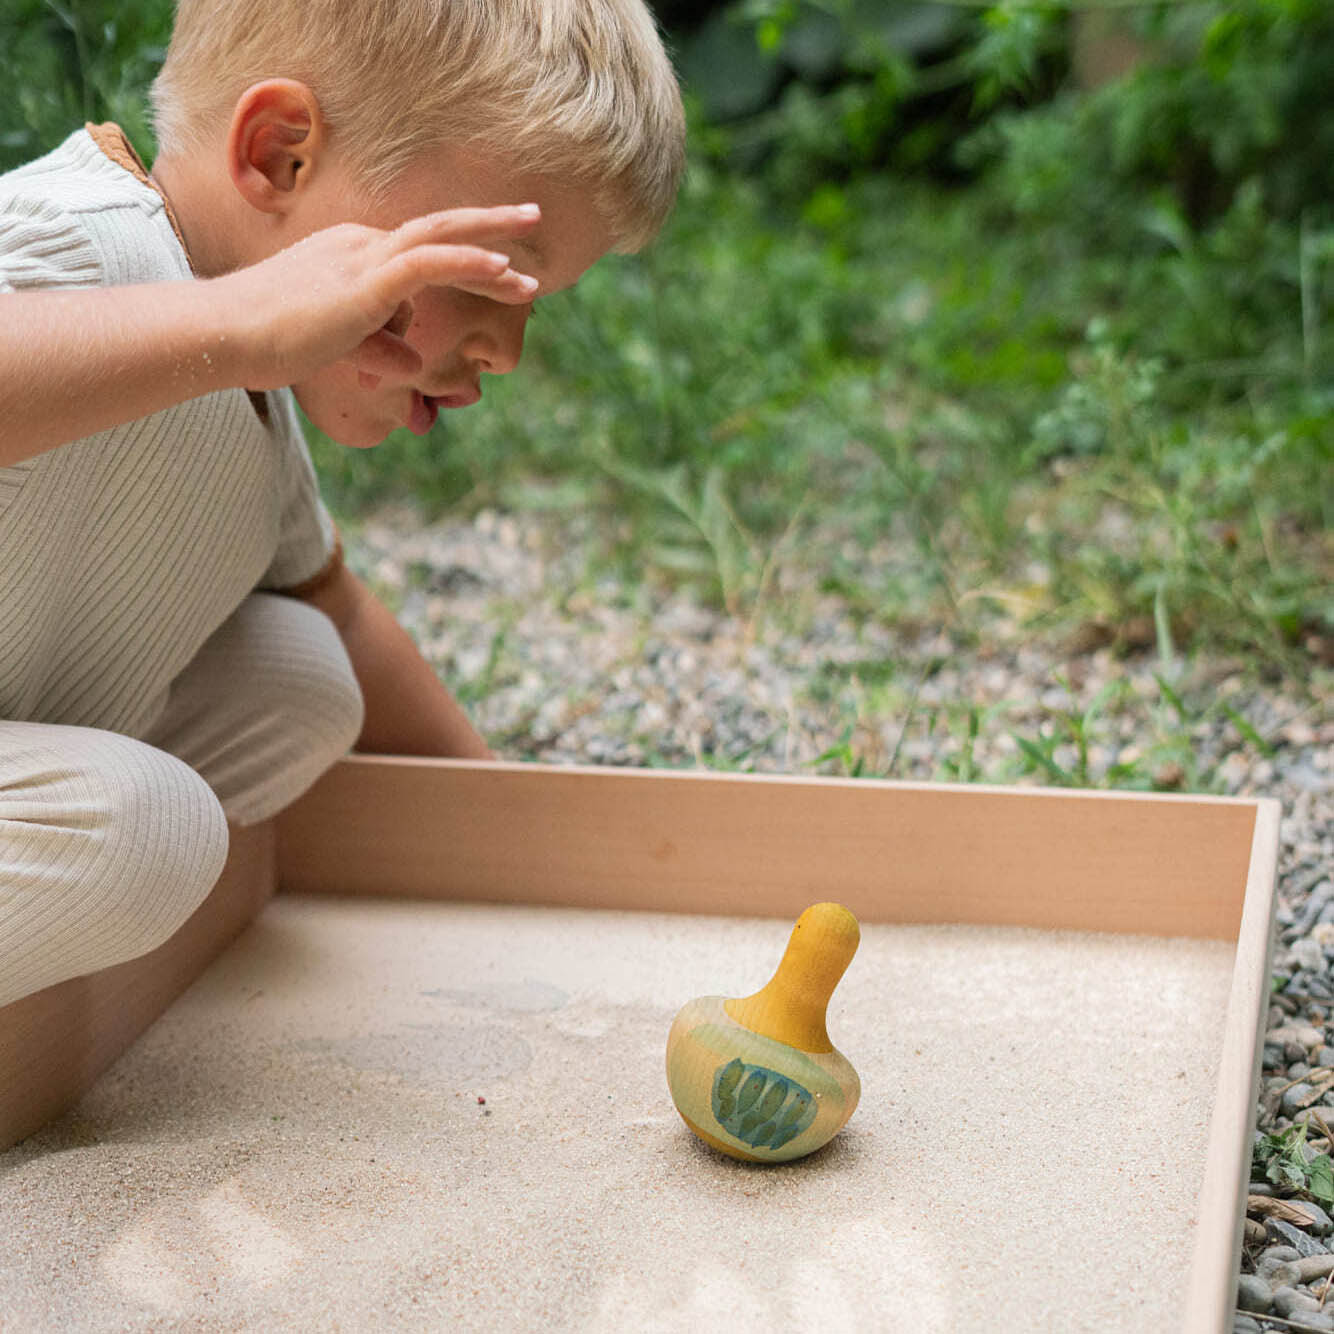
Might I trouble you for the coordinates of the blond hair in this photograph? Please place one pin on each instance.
(580, 89)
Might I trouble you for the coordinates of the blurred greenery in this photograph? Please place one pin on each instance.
(64, 62)
(1066, 337)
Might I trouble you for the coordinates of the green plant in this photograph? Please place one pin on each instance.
(1166, 754)
(1287, 1161)
(1073, 730)
(1229, 92)
(478, 688)
(964, 726)
(1066, 390)
(63, 62)
(850, 761)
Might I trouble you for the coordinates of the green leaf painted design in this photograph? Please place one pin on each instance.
(759, 1106)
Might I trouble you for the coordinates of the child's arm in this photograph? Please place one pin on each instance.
(76, 362)
(408, 711)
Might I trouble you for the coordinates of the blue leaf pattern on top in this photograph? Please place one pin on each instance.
(759, 1106)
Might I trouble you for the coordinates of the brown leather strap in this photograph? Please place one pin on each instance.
(110, 138)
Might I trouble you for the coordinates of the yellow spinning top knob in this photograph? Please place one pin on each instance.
(757, 1077)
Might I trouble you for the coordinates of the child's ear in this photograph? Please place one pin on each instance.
(275, 140)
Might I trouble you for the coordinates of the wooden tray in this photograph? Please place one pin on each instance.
(699, 843)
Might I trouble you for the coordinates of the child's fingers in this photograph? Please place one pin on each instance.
(385, 356)
(512, 287)
(377, 356)
(468, 226)
(401, 320)
(485, 272)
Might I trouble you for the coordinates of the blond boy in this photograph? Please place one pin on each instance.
(360, 201)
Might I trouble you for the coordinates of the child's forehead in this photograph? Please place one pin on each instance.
(454, 178)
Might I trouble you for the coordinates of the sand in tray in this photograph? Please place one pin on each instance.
(301, 1142)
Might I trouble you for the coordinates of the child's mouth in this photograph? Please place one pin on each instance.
(426, 407)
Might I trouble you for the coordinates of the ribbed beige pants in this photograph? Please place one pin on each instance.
(108, 843)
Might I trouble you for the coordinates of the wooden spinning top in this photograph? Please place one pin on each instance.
(757, 1077)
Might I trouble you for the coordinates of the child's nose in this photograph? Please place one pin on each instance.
(496, 348)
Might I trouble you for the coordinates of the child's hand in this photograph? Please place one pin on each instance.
(75, 362)
(344, 294)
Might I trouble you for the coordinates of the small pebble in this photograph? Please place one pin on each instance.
(1288, 1301)
(1294, 1099)
(1323, 1224)
(1318, 899)
(1300, 1244)
(1279, 1273)
(1281, 1253)
(1253, 1293)
(1312, 1267)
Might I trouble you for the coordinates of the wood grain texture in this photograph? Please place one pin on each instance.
(791, 1007)
(740, 844)
(55, 1043)
(1211, 1292)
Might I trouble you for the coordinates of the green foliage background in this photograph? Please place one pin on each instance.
(1070, 346)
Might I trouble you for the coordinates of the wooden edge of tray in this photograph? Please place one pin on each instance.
(1221, 1211)
(55, 1043)
(770, 845)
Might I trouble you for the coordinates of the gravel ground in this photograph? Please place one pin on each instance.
(557, 658)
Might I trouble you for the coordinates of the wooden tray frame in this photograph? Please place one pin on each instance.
(731, 844)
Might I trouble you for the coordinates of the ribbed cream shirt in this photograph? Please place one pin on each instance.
(121, 553)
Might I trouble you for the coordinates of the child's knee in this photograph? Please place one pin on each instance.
(316, 714)
(107, 848)
(304, 684)
(267, 705)
(165, 827)
(315, 687)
